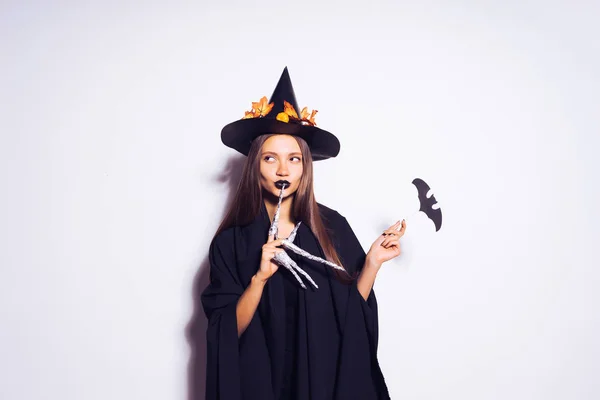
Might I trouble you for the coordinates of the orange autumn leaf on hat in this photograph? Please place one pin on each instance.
(250, 114)
(304, 113)
(259, 108)
(289, 110)
(312, 117)
(262, 107)
(305, 118)
(283, 117)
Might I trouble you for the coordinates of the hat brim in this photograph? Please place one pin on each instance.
(239, 136)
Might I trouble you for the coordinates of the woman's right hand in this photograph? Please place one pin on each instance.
(267, 266)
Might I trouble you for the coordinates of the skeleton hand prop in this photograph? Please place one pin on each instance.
(283, 259)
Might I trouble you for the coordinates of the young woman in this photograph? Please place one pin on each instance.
(268, 338)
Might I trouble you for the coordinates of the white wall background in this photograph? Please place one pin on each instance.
(114, 180)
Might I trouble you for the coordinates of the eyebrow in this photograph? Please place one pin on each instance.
(289, 154)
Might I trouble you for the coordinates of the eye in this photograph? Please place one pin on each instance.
(267, 158)
(296, 157)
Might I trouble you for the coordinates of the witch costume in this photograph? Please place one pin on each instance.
(317, 343)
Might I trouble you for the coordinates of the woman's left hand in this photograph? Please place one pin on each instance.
(387, 245)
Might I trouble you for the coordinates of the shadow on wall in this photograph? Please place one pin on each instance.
(195, 331)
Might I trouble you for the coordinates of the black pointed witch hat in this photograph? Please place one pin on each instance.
(275, 116)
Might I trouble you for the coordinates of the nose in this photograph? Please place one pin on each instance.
(282, 169)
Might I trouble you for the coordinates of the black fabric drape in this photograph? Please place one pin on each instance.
(336, 329)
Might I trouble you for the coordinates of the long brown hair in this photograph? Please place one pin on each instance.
(248, 199)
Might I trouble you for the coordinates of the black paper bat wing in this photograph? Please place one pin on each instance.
(434, 215)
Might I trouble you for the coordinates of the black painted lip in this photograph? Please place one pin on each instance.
(279, 184)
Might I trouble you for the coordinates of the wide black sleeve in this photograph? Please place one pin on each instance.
(219, 301)
(353, 257)
(358, 351)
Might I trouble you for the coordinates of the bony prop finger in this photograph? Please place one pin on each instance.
(282, 258)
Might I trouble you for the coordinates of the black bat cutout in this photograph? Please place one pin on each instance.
(434, 215)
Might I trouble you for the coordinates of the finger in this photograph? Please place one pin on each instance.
(396, 232)
(275, 243)
(403, 227)
(387, 241)
(391, 242)
(271, 238)
(393, 233)
(389, 246)
(380, 239)
(395, 226)
(275, 252)
(395, 250)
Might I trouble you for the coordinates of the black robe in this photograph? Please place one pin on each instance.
(337, 330)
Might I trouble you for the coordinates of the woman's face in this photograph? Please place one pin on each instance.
(280, 159)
